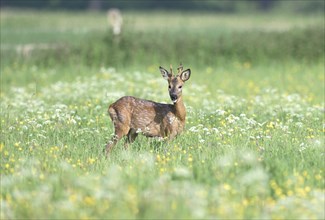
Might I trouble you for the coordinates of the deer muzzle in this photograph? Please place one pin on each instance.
(173, 97)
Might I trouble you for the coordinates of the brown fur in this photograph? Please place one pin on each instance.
(131, 115)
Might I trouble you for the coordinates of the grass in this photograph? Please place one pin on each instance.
(254, 140)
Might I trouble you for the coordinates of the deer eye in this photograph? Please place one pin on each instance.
(180, 87)
(169, 87)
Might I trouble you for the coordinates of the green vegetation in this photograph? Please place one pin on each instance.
(254, 140)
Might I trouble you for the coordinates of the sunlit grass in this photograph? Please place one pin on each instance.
(253, 146)
(259, 156)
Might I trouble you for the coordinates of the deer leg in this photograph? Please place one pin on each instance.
(131, 136)
(120, 131)
(112, 143)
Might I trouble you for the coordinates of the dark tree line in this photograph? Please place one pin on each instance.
(205, 5)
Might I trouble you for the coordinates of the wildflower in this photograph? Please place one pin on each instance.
(271, 125)
(318, 177)
(227, 187)
(245, 202)
(89, 201)
(162, 170)
(174, 205)
(91, 160)
(220, 112)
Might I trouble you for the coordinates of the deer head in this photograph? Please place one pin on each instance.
(175, 83)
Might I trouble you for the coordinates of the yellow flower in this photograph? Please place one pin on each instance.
(318, 177)
(273, 184)
(174, 205)
(226, 187)
(162, 170)
(91, 160)
(289, 182)
(278, 191)
(301, 192)
(88, 200)
(245, 202)
(271, 124)
(307, 189)
(73, 198)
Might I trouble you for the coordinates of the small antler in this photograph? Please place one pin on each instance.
(180, 68)
(171, 70)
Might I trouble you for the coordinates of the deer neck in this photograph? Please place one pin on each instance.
(180, 110)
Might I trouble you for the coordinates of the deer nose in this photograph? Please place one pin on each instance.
(173, 97)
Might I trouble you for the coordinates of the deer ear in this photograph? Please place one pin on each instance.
(165, 74)
(185, 75)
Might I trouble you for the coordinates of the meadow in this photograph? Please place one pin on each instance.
(253, 146)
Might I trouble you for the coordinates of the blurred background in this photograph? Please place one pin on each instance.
(86, 35)
(192, 31)
(304, 6)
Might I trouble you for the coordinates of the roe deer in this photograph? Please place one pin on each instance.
(132, 115)
(115, 20)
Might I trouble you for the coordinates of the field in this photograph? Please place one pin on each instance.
(253, 146)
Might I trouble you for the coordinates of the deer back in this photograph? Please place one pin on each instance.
(150, 118)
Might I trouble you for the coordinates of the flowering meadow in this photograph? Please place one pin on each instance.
(253, 146)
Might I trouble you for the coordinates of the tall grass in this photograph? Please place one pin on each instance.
(193, 38)
(200, 47)
(254, 137)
